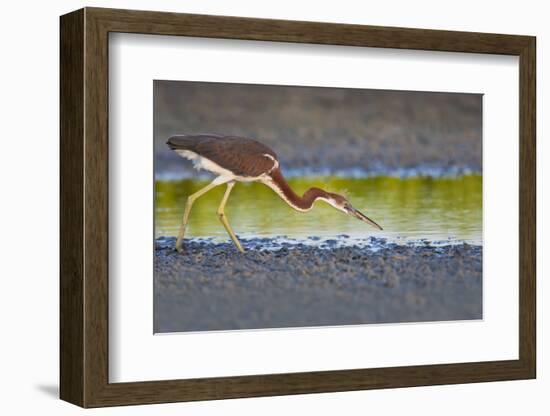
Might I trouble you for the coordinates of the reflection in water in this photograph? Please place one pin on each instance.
(411, 208)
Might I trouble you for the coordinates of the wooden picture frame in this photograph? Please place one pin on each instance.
(84, 207)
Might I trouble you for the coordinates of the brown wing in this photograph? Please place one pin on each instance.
(240, 155)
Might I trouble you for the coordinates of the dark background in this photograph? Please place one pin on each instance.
(326, 130)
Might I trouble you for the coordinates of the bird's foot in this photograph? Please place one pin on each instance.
(237, 243)
(179, 242)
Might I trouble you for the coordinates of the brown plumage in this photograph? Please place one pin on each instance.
(240, 155)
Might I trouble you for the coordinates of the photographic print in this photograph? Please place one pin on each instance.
(292, 206)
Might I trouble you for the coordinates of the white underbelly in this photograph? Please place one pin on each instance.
(202, 163)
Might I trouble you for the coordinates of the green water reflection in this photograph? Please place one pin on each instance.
(411, 208)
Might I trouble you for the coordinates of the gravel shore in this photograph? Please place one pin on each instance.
(276, 283)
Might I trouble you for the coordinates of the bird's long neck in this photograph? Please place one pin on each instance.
(300, 203)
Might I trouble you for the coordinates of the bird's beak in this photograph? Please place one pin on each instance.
(359, 215)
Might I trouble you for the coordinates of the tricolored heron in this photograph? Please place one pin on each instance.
(240, 159)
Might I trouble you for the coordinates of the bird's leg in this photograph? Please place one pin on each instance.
(223, 218)
(190, 200)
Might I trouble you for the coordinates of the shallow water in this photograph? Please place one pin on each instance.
(409, 209)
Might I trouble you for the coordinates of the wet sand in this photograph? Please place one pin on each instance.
(276, 284)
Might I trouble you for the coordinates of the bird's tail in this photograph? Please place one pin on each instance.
(182, 142)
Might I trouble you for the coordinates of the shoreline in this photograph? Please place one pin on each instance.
(185, 172)
(319, 242)
(211, 286)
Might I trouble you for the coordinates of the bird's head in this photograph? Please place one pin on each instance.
(341, 203)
